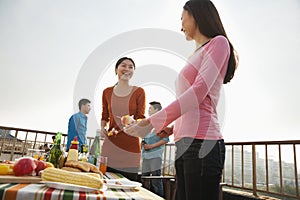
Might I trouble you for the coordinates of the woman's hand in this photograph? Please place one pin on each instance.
(139, 129)
(103, 132)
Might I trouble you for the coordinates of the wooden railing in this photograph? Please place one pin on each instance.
(264, 167)
(269, 167)
(20, 142)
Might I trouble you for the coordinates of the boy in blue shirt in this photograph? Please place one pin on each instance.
(152, 150)
(77, 124)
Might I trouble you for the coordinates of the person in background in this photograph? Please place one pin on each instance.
(200, 148)
(123, 151)
(78, 124)
(152, 150)
(46, 148)
(53, 141)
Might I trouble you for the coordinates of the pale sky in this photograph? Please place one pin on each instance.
(44, 45)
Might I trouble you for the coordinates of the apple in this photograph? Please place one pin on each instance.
(35, 161)
(40, 166)
(24, 166)
(127, 120)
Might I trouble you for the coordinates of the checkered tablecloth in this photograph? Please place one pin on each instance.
(13, 191)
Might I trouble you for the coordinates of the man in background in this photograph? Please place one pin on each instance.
(78, 124)
(152, 150)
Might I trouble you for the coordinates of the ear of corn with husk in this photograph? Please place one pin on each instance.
(76, 178)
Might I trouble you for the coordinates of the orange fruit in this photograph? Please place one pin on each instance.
(49, 164)
(4, 169)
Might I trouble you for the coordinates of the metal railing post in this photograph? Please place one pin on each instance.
(267, 167)
(13, 146)
(24, 145)
(232, 165)
(254, 170)
(243, 164)
(296, 173)
(280, 169)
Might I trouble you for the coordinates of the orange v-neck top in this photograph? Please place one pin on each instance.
(122, 150)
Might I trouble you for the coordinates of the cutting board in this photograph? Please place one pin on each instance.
(19, 179)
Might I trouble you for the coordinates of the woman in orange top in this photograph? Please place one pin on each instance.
(123, 151)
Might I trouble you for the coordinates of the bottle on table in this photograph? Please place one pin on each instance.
(73, 150)
(95, 151)
(83, 156)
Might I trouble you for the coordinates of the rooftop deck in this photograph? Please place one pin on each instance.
(253, 170)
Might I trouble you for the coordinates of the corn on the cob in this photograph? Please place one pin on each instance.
(89, 174)
(63, 176)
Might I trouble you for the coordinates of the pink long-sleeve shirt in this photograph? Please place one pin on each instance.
(198, 88)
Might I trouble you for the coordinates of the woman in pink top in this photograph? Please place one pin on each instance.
(200, 146)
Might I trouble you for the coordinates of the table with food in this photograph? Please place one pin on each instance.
(29, 178)
(66, 176)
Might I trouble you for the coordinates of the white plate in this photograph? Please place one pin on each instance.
(66, 186)
(121, 183)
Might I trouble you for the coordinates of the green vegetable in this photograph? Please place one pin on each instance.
(56, 151)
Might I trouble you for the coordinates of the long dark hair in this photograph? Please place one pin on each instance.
(122, 59)
(209, 23)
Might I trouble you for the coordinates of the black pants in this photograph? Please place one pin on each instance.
(199, 165)
(153, 167)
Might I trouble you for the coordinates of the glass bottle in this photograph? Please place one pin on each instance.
(95, 151)
(83, 155)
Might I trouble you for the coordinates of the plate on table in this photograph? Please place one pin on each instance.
(67, 186)
(19, 179)
(121, 184)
